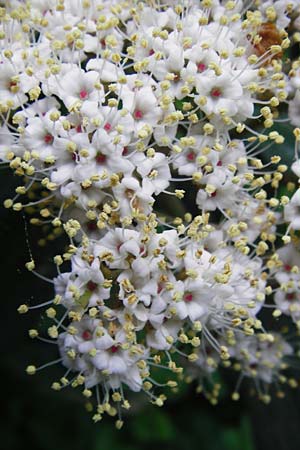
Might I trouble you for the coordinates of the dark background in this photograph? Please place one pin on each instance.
(35, 416)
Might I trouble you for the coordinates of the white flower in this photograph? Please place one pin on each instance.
(133, 196)
(143, 106)
(292, 211)
(220, 93)
(79, 86)
(155, 172)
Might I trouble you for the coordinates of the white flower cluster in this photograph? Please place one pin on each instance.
(108, 108)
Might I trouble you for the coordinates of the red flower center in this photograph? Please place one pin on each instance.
(75, 156)
(79, 129)
(114, 348)
(125, 151)
(100, 158)
(214, 194)
(91, 286)
(138, 114)
(215, 92)
(48, 139)
(219, 163)
(83, 94)
(188, 297)
(12, 84)
(290, 296)
(159, 288)
(92, 225)
(287, 267)
(201, 67)
(191, 156)
(107, 126)
(151, 52)
(86, 335)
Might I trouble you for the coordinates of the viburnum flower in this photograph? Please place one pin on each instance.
(146, 133)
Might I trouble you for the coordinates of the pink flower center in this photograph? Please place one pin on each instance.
(86, 335)
(48, 139)
(83, 94)
(91, 286)
(107, 127)
(219, 163)
(138, 114)
(188, 297)
(100, 158)
(201, 67)
(151, 52)
(79, 129)
(114, 348)
(191, 156)
(216, 92)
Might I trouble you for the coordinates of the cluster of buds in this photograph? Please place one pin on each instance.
(112, 113)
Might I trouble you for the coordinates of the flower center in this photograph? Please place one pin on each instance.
(75, 156)
(159, 288)
(114, 348)
(219, 163)
(86, 335)
(100, 158)
(13, 86)
(83, 94)
(48, 139)
(92, 225)
(188, 297)
(91, 286)
(216, 92)
(191, 156)
(107, 127)
(125, 151)
(129, 193)
(214, 194)
(287, 267)
(290, 296)
(138, 114)
(201, 67)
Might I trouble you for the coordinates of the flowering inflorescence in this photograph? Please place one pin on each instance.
(107, 109)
